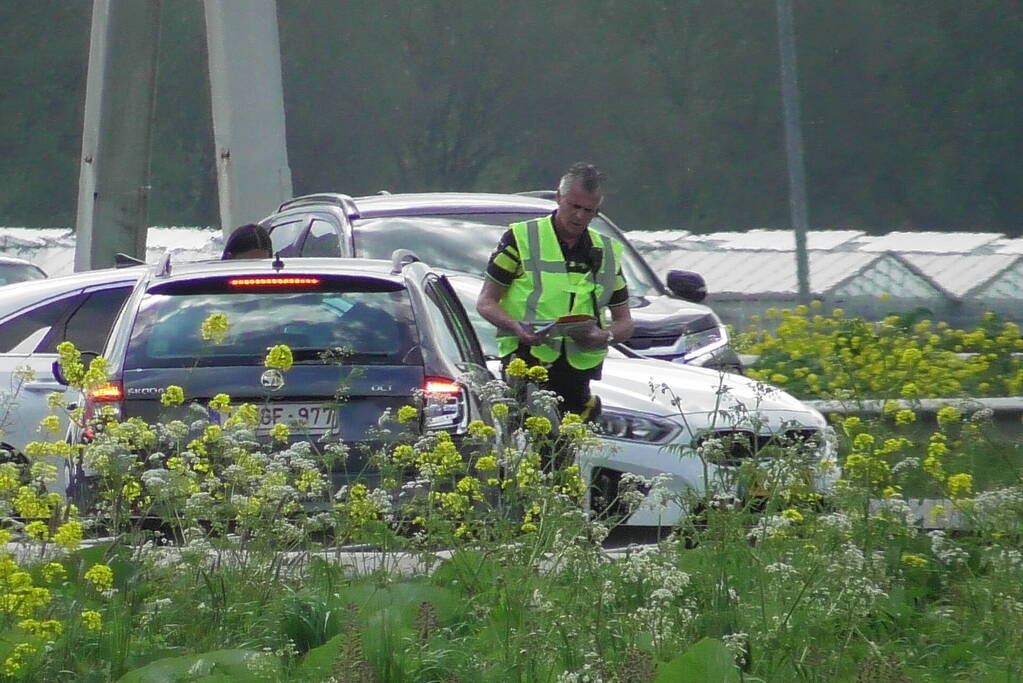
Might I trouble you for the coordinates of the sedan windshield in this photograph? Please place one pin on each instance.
(464, 242)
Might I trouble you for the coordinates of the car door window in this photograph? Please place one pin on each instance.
(285, 236)
(323, 240)
(455, 320)
(445, 338)
(16, 330)
(87, 325)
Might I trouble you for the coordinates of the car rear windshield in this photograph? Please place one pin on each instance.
(187, 328)
(464, 242)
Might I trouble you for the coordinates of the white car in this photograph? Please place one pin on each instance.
(655, 413)
(13, 269)
(36, 316)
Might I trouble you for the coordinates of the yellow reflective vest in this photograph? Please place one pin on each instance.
(545, 290)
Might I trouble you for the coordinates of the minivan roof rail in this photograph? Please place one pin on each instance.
(342, 201)
(401, 258)
(542, 194)
(165, 266)
(122, 260)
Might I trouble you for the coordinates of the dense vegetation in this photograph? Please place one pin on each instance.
(491, 572)
(910, 109)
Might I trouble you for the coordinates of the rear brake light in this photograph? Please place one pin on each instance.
(272, 281)
(104, 399)
(438, 385)
(107, 393)
(445, 404)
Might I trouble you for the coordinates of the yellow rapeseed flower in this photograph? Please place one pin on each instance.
(53, 571)
(537, 374)
(517, 368)
(948, 415)
(70, 360)
(480, 429)
(406, 414)
(220, 403)
(50, 423)
(214, 328)
(69, 535)
(910, 390)
(913, 560)
(488, 463)
(280, 432)
(905, 417)
(499, 410)
(172, 396)
(38, 530)
(404, 455)
(279, 357)
(92, 620)
(15, 660)
(101, 576)
(960, 485)
(792, 514)
(538, 424)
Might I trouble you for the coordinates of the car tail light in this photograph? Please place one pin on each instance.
(444, 404)
(109, 395)
(273, 281)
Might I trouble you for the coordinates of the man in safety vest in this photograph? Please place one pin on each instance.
(558, 266)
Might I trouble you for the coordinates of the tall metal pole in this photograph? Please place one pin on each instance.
(247, 96)
(794, 143)
(120, 97)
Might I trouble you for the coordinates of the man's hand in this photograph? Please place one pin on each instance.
(591, 338)
(527, 336)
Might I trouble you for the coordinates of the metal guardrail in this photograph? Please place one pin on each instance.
(1001, 405)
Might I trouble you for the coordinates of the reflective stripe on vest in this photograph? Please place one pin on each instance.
(528, 298)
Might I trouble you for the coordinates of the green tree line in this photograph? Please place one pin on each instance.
(910, 107)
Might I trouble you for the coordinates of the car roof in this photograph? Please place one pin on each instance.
(190, 270)
(426, 203)
(18, 293)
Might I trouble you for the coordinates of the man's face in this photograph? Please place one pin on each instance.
(576, 208)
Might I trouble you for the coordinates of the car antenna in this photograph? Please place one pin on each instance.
(165, 266)
(278, 263)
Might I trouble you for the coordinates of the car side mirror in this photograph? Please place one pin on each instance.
(58, 371)
(688, 285)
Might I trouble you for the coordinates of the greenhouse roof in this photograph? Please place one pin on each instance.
(1008, 246)
(962, 274)
(760, 273)
(931, 242)
(776, 240)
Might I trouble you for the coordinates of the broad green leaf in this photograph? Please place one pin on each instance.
(241, 666)
(318, 663)
(708, 660)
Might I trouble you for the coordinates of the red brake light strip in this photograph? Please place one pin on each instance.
(272, 281)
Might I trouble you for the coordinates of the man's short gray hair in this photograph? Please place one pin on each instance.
(591, 178)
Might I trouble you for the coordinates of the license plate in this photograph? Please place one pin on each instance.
(302, 418)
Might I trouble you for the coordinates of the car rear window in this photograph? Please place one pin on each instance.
(370, 327)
